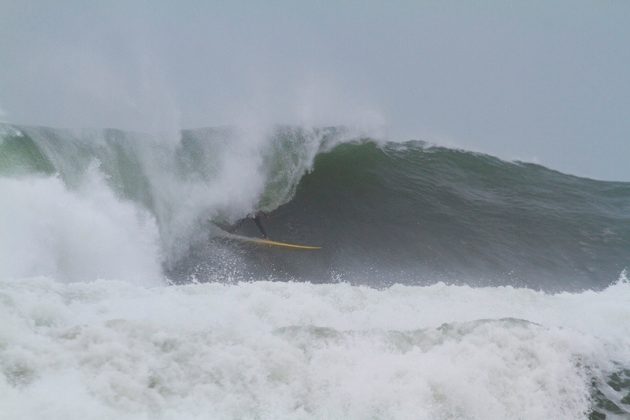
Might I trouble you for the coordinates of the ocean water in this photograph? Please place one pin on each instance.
(451, 285)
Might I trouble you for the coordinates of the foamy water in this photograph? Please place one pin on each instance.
(49, 230)
(108, 349)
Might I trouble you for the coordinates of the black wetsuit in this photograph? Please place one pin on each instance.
(257, 218)
(258, 222)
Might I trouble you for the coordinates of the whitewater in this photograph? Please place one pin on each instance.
(510, 300)
(109, 349)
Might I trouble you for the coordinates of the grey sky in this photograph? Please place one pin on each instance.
(545, 81)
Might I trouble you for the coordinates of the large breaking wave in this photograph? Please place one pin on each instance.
(383, 212)
(429, 259)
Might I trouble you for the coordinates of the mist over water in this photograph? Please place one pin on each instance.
(534, 81)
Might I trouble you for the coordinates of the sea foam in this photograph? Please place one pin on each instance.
(50, 230)
(296, 350)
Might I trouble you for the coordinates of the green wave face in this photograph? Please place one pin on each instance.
(417, 214)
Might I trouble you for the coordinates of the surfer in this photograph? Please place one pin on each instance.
(256, 217)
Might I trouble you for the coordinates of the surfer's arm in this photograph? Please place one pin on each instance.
(260, 226)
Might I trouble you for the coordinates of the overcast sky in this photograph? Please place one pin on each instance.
(543, 81)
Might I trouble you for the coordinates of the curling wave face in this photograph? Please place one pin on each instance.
(384, 212)
(219, 174)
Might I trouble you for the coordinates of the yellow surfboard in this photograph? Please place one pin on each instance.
(269, 242)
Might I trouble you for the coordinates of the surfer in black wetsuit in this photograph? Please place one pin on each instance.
(256, 217)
